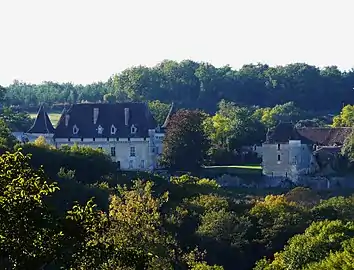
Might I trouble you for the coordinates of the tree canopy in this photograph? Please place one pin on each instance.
(185, 143)
(201, 85)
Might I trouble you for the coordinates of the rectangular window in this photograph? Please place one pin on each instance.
(130, 164)
(278, 157)
(132, 151)
(278, 147)
(113, 151)
(142, 164)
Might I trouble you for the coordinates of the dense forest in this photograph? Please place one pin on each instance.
(70, 209)
(201, 85)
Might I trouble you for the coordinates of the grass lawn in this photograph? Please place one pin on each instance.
(249, 167)
(251, 170)
(54, 117)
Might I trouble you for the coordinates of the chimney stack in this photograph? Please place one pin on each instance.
(95, 115)
(67, 117)
(126, 116)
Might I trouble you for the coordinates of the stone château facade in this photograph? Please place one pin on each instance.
(127, 132)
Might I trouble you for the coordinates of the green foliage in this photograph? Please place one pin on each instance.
(348, 148)
(310, 123)
(313, 246)
(159, 110)
(201, 85)
(277, 220)
(219, 129)
(303, 196)
(7, 140)
(71, 158)
(66, 174)
(204, 266)
(336, 208)
(185, 223)
(136, 223)
(27, 231)
(345, 118)
(188, 181)
(244, 129)
(287, 112)
(109, 98)
(185, 142)
(17, 121)
(226, 227)
(42, 142)
(343, 259)
(131, 235)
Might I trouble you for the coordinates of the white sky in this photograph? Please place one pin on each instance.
(83, 41)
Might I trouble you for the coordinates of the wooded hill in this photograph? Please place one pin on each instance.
(201, 85)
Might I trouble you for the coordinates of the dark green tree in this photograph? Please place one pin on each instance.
(7, 140)
(159, 110)
(186, 143)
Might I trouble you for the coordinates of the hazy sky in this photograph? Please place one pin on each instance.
(83, 41)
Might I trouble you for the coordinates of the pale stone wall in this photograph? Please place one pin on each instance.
(158, 139)
(275, 159)
(143, 159)
(287, 161)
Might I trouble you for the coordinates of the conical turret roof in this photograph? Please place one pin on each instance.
(42, 124)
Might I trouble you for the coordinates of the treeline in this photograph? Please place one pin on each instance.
(201, 85)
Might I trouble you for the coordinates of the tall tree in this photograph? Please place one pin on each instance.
(186, 143)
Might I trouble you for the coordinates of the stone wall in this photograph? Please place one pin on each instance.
(313, 182)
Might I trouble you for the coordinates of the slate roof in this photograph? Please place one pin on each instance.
(328, 150)
(284, 132)
(42, 123)
(326, 136)
(81, 115)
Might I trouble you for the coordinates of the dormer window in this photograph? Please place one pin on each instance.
(75, 130)
(113, 130)
(100, 130)
(133, 129)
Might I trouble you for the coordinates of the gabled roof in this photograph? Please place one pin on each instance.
(324, 136)
(42, 124)
(110, 116)
(169, 115)
(282, 133)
